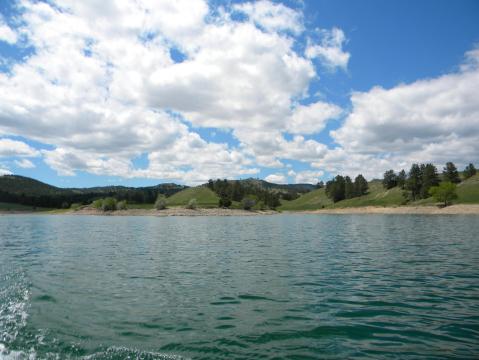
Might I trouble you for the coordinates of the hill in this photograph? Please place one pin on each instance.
(263, 184)
(205, 197)
(31, 192)
(467, 191)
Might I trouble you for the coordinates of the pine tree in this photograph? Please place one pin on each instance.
(360, 185)
(430, 178)
(451, 174)
(414, 181)
(349, 191)
(390, 179)
(401, 179)
(469, 171)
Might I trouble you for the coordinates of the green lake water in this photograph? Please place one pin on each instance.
(265, 287)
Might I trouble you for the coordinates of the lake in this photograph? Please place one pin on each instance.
(261, 287)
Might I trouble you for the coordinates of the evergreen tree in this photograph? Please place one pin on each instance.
(335, 188)
(390, 179)
(430, 178)
(414, 181)
(349, 191)
(451, 174)
(360, 185)
(401, 179)
(237, 192)
(469, 171)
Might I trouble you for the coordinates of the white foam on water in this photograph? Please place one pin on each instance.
(14, 303)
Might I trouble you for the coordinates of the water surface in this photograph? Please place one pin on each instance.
(271, 287)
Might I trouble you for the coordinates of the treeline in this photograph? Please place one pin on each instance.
(229, 191)
(418, 182)
(342, 187)
(64, 200)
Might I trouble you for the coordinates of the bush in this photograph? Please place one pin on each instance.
(224, 202)
(192, 204)
(109, 204)
(122, 205)
(75, 206)
(248, 203)
(160, 203)
(97, 204)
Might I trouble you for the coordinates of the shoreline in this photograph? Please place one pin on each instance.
(460, 209)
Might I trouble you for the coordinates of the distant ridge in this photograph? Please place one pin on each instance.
(29, 186)
(27, 191)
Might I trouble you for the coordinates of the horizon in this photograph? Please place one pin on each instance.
(283, 91)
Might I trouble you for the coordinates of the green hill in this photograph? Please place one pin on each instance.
(31, 192)
(16, 184)
(205, 197)
(263, 184)
(467, 191)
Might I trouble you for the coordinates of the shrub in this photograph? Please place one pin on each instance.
(97, 204)
(160, 203)
(248, 203)
(192, 204)
(109, 204)
(122, 205)
(75, 206)
(224, 202)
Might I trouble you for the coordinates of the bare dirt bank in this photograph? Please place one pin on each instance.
(433, 210)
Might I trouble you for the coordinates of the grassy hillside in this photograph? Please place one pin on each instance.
(204, 197)
(262, 184)
(467, 191)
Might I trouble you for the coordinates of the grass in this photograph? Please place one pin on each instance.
(313, 200)
(205, 197)
(18, 207)
(467, 191)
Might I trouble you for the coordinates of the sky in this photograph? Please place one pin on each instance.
(140, 92)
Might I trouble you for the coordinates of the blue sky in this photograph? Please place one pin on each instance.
(288, 91)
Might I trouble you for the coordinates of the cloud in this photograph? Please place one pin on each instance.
(103, 88)
(10, 147)
(430, 120)
(310, 119)
(276, 178)
(330, 49)
(5, 171)
(308, 177)
(272, 16)
(24, 164)
(6, 33)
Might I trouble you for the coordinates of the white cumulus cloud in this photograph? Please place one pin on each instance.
(330, 49)
(102, 87)
(9, 147)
